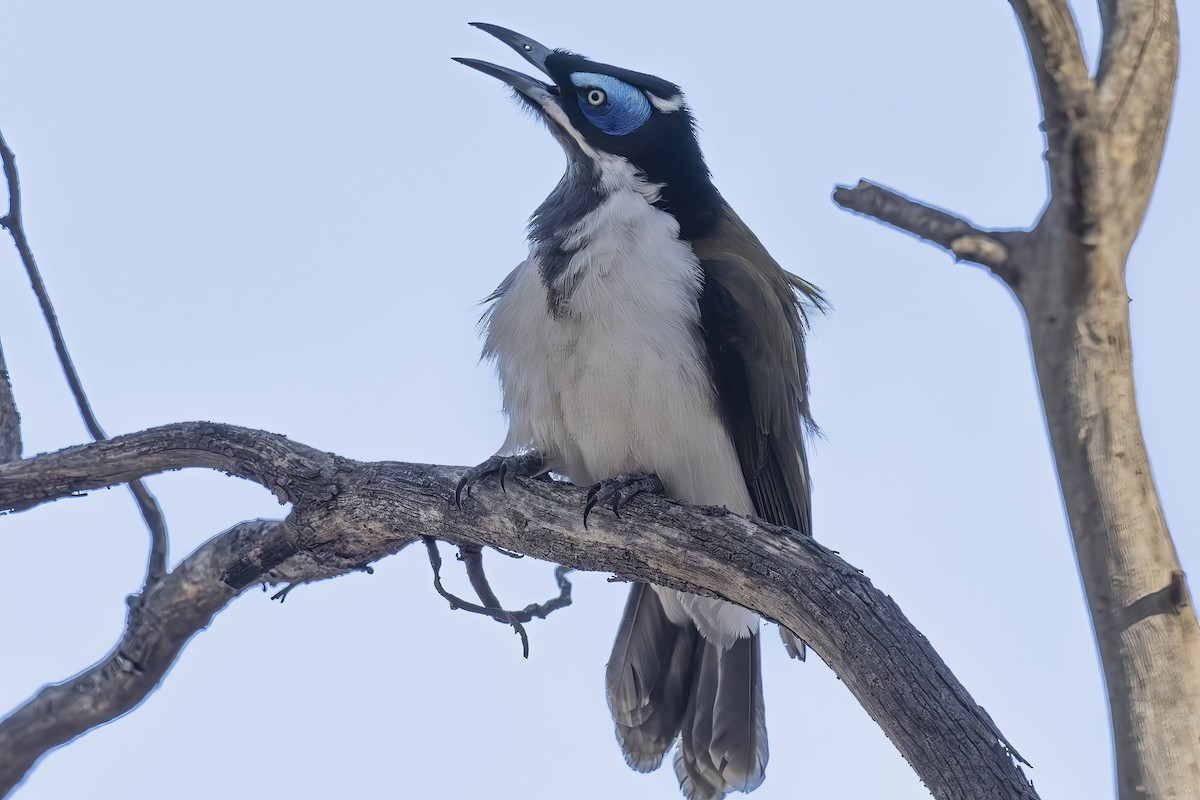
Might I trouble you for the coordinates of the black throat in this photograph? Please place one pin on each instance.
(692, 200)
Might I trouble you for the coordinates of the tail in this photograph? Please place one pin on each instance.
(665, 680)
(649, 677)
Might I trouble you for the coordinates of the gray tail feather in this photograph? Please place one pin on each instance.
(723, 746)
(665, 680)
(795, 646)
(648, 678)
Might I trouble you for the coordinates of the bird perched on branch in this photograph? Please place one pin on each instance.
(650, 342)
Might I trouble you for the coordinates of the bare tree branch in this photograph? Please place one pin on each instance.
(10, 418)
(160, 622)
(1139, 59)
(1104, 148)
(1068, 97)
(472, 558)
(964, 241)
(347, 514)
(1063, 82)
(13, 222)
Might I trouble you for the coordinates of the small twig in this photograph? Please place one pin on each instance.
(472, 559)
(12, 222)
(543, 610)
(10, 419)
(964, 241)
(508, 553)
(471, 556)
(491, 605)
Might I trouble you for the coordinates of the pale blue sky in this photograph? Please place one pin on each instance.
(282, 215)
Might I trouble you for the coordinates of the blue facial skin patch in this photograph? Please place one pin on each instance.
(624, 110)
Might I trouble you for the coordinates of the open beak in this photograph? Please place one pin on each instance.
(533, 52)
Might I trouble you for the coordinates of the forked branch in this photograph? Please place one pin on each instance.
(1104, 143)
(347, 514)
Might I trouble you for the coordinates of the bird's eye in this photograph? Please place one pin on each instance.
(609, 105)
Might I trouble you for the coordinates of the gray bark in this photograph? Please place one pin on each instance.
(346, 514)
(1104, 144)
(10, 418)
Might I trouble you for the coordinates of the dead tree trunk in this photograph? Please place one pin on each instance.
(1104, 143)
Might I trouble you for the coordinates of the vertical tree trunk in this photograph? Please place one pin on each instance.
(1145, 627)
(1104, 143)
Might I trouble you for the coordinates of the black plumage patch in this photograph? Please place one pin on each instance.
(664, 149)
(576, 195)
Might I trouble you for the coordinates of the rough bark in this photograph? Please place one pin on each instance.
(346, 514)
(10, 418)
(161, 620)
(1104, 145)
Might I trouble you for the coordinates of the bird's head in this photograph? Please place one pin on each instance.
(599, 112)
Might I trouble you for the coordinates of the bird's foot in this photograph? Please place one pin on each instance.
(524, 465)
(616, 492)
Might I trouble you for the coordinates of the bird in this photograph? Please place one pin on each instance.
(649, 342)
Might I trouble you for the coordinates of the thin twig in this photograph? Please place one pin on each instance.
(964, 241)
(472, 558)
(10, 419)
(491, 605)
(543, 610)
(12, 222)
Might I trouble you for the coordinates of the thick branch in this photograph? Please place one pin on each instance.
(964, 241)
(268, 459)
(161, 621)
(347, 514)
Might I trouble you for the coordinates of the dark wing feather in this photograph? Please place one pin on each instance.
(754, 330)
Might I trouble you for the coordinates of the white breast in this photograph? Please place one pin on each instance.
(618, 382)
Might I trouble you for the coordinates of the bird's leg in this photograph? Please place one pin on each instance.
(523, 465)
(619, 490)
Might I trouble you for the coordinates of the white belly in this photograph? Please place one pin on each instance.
(619, 382)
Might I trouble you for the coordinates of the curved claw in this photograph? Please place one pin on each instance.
(620, 490)
(458, 490)
(489, 467)
(463, 483)
(590, 504)
(525, 465)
